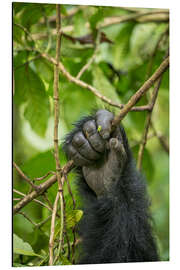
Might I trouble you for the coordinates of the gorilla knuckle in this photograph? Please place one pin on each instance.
(78, 139)
(89, 127)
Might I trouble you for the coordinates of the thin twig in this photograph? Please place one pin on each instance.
(73, 229)
(47, 200)
(139, 16)
(56, 122)
(91, 60)
(147, 124)
(143, 89)
(134, 99)
(43, 187)
(150, 64)
(44, 176)
(80, 83)
(87, 65)
(134, 143)
(28, 218)
(25, 30)
(34, 200)
(162, 139)
(28, 61)
(85, 85)
(133, 17)
(151, 103)
(62, 229)
(38, 225)
(51, 240)
(16, 199)
(25, 177)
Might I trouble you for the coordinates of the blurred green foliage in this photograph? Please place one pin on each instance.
(119, 69)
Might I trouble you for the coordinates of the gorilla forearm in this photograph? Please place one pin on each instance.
(116, 226)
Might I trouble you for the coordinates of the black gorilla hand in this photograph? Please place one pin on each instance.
(101, 155)
(116, 225)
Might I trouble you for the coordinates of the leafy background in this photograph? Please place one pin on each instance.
(129, 55)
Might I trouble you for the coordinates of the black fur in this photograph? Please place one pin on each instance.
(116, 228)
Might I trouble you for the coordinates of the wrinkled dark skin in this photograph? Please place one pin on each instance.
(100, 153)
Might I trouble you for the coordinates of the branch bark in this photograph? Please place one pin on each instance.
(56, 122)
(25, 177)
(43, 187)
(144, 88)
(51, 240)
(162, 139)
(145, 16)
(147, 124)
(89, 87)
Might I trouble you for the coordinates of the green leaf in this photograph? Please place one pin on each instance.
(63, 10)
(18, 34)
(144, 39)
(29, 87)
(73, 94)
(23, 248)
(111, 11)
(103, 84)
(76, 50)
(96, 17)
(44, 69)
(42, 163)
(18, 6)
(19, 59)
(37, 114)
(121, 50)
(138, 119)
(63, 261)
(31, 14)
(73, 218)
(79, 24)
(50, 8)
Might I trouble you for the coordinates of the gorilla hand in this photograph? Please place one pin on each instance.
(101, 155)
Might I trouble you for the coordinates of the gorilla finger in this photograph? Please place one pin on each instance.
(76, 157)
(117, 147)
(104, 119)
(82, 145)
(93, 136)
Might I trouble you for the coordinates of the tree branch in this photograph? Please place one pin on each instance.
(34, 200)
(144, 88)
(161, 138)
(25, 177)
(147, 124)
(56, 122)
(43, 187)
(28, 218)
(138, 16)
(51, 240)
(90, 61)
(89, 87)
(134, 17)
